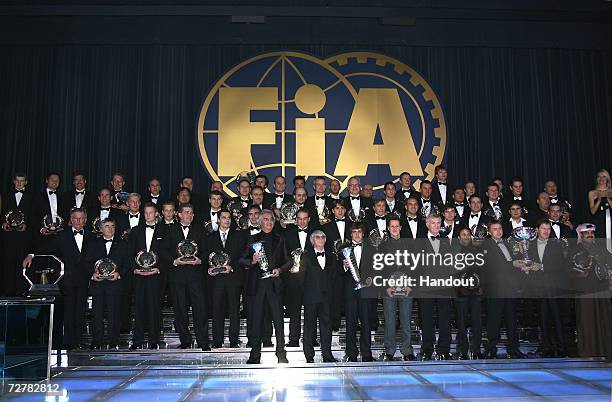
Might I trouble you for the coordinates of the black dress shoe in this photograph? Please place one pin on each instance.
(315, 344)
(268, 344)
(292, 344)
(113, 346)
(491, 355)
(388, 357)
(409, 357)
(283, 359)
(252, 361)
(353, 359)
(153, 346)
(135, 347)
(367, 359)
(234, 345)
(309, 360)
(477, 355)
(185, 346)
(205, 348)
(217, 345)
(425, 356)
(330, 360)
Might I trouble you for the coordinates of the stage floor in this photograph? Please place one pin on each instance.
(173, 375)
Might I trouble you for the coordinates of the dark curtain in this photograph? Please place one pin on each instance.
(537, 113)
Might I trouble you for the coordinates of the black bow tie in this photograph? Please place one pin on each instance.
(18, 191)
(317, 197)
(104, 209)
(356, 245)
(76, 232)
(51, 192)
(437, 237)
(150, 226)
(354, 198)
(154, 196)
(425, 201)
(555, 198)
(339, 219)
(79, 192)
(555, 223)
(382, 218)
(413, 219)
(108, 241)
(213, 213)
(494, 204)
(186, 226)
(474, 216)
(458, 204)
(320, 254)
(280, 196)
(134, 216)
(253, 228)
(302, 230)
(441, 183)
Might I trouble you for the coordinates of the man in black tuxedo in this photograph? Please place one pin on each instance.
(299, 181)
(215, 202)
(266, 291)
(106, 293)
(296, 237)
(118, 186)
(78, 197)
(244, 193)
(427, 205)
(392, 205)
(104, 211)
(433, 243)
(548, 251)
(475, 217)
(153, 194)
(279, 197)
(412, 225)
(354, 201)
(501, 285)
(550, 187)
(71, 246)
(257, 197)
(561, 229)
(186, 277)
(540, 210)
(450, 222)
(516, 194)
(461, 204)
(514, 219)
(48, 203)
(441, 190)
(261, 180)
(197, 200)
(318, 269)
(406, 190)
(147, 237)
(300, 196)
(16, 240)
(357, 306)
(226, 284)
(492, 207)
(318, 200)
(334, 192)
(338, 228)
(376, 218)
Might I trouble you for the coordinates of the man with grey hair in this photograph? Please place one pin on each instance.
(318, 267)
(354, 200)
(266, 290)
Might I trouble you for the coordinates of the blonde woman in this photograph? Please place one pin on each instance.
(600, 204)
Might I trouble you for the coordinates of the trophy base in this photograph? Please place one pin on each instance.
(217, 270)
(399, 294)
(527, 266)
(187, 259)
(360, 286)
(266, 275)
(49, 289)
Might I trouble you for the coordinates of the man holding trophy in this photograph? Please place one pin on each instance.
(266, 258)
(185, 247)
(148, 257)
(226, 247)
(107, 258)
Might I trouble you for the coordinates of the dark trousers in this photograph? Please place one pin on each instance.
(74, 308)
(357, 311)
(225, 298)
(147, 308)
(267, 321)
(186, 283)
(550, 313)
(14, 250)
(311, 313)
(266, 296)
(496, 309)
(469, 312)
(337, 307)
(427, 307)
(106, 296)
(127, 295)
(292, 300)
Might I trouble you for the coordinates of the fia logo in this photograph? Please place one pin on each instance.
(290, 113)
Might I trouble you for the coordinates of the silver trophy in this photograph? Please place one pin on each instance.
(51, 225)
(345, 251)
(15, 220)
(105, 267)
(96, 226)
(125, 234)
(146, 260)
(431, 209)
(249, 176)
(479, 233)
(296, 257)
(242, 222)
(324, 214)
(288, 212)
(187, 250)
(44, 278)
(356, 217)
(471, 277)
(582, 262)
(399, 291)
(209, 227)
(523, 235)
(376, 239)
(264, 265)
(122, 196)
(218, 261)
(235, 209)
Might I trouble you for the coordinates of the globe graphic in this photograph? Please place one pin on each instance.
(288, 72)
